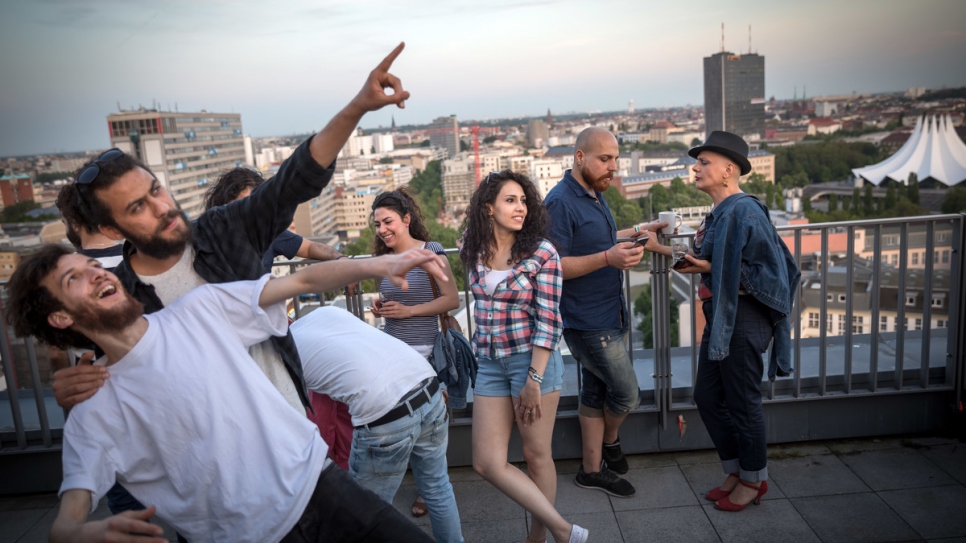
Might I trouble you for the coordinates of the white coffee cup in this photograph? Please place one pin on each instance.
(672, 219)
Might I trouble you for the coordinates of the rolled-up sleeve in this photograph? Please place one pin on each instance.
(548, 280)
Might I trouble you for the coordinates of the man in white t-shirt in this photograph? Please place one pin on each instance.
(188, 423)
(396, 406)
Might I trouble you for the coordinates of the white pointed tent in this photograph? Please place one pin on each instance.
(933, 151)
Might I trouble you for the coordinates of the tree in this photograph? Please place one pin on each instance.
(856, 202)
(807, 204)
(912, 191)
(955, 200)
(385, 160)
(695, 142)
(643, 305)
(833, 202)
(890, 198)
(625, 213)
(868, 202)
(43, 178)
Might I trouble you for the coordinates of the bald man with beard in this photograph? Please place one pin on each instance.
(594, 311)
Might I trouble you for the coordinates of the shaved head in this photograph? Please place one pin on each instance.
(591, 138)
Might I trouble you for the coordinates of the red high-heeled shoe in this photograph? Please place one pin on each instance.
(726, 504)
(716, 493)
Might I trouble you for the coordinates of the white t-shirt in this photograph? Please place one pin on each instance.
(188, 423)
(181, 279)
(494, 278)
(356, 364)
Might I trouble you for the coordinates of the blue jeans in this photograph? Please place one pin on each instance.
(507, 376)
(380, 454)
(728, 392)
(606, 371)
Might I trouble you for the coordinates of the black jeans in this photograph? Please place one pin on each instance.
(343, 511)
(728, 392)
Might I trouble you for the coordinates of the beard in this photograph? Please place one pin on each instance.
(599, 184)
(95, 319)
(157, 246)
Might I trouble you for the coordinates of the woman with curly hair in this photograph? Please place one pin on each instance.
(515, 276)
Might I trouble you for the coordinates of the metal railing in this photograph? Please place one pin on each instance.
(898, 378)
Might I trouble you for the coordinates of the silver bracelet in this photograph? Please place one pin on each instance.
(534, 375)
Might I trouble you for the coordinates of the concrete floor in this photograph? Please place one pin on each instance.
(839, 491)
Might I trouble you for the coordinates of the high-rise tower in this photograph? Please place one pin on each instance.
(734, 93)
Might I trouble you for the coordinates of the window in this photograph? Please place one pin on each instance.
(829, 297)
(841, 297)
(935, 257)
(940, 323)
(841, 324)
(895, 260)
(911, 300)
(813, 320)
(937, 301)
(890, 239)
(857, 320)
(946, 256)
(883, 324)
(915, 259)
(942, 237)
(828, 324)
(918, 324)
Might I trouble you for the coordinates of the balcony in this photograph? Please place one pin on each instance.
(854, 379)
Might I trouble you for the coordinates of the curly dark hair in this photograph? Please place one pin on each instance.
(75, 211)
(230, 184)
(403, 203)
(30, 303)
(478, 227)
(85, 205)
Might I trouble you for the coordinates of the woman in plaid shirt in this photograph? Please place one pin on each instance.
(514, 273)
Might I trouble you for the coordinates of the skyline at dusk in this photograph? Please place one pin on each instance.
(289, 66)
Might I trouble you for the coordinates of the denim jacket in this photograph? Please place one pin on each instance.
(745, 250)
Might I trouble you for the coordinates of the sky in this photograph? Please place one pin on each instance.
(288, 65)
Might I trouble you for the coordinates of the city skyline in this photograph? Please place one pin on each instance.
(288, 67)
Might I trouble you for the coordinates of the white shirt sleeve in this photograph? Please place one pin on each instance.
(238, 302)
(86, 467)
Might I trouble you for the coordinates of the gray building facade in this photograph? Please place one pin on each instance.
(734, 93)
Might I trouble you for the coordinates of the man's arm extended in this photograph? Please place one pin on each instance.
(317, 251)
(337, 273)
(71, 524)
(326, 144)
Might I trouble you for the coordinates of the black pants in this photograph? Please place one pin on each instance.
(343, 511)
(728, 392)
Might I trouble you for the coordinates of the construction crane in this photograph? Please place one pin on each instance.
(476, 151)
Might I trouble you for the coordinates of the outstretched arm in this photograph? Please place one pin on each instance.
(327, 143)
(72, 526)
(334, 274)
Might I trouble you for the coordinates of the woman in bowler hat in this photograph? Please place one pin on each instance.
(748, 279)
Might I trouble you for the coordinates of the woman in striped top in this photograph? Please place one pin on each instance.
(411, 315)
(515, 275)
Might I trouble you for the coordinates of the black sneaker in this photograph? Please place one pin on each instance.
(614, 457)
(605, 480)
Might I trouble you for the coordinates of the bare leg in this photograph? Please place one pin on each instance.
(492, 423)
(537, 452)
(594, 431)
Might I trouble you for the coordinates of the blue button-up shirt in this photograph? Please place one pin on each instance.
(582, 225)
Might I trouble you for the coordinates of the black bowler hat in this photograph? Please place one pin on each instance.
(727, 144)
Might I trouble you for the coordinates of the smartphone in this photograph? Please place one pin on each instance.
(642, 241)
(681, 264)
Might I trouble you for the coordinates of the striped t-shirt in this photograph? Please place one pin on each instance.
(414, 330)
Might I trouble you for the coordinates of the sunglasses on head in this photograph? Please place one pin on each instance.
(489, 175)
(90, 173)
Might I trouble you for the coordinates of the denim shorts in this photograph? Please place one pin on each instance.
(506, 376)
(606, 372)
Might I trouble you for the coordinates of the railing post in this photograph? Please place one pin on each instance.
(660, 318)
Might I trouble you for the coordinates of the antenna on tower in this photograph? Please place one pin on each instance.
(722, 37)
(749, 39)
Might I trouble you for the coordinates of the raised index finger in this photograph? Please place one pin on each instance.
(387, 62)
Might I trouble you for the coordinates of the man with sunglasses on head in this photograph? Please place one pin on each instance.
(165, 255)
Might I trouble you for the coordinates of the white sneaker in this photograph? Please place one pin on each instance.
(578, 534)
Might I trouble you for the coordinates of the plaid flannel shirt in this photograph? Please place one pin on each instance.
(523, 312)
(230, 240)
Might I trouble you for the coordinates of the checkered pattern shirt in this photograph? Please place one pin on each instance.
(230, 240)
(523, 312)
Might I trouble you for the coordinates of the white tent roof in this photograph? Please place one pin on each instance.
(932, 151)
